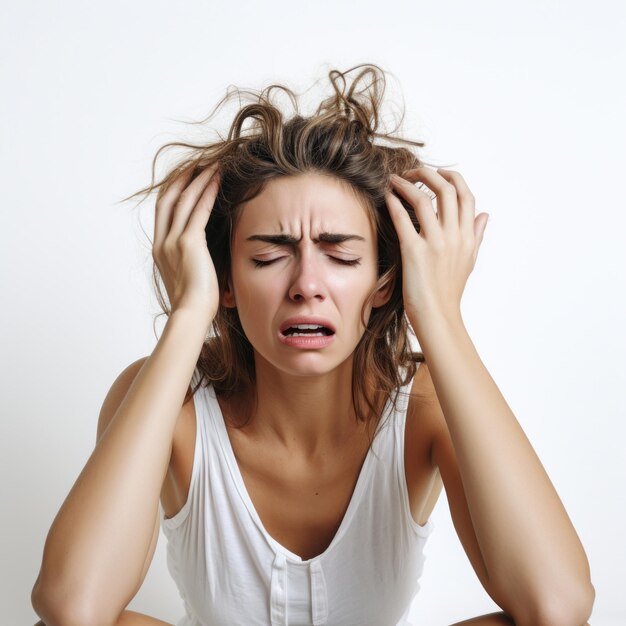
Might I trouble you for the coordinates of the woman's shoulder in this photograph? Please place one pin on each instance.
(116, 394)
(130, 373)
(127, 377)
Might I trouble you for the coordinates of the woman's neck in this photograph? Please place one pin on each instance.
(305, 415)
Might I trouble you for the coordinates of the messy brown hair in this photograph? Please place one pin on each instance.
(341, 139)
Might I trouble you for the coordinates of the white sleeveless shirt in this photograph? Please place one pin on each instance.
(230, 572)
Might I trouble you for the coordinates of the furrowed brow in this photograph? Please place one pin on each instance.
(287, 240)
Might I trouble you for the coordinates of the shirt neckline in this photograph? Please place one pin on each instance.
(235, 472)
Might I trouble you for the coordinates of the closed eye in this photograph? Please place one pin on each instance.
(347, 262)
(260, 263)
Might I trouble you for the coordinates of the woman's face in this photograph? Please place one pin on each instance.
(306, 274)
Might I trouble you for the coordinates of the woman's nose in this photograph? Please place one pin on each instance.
(307, 278)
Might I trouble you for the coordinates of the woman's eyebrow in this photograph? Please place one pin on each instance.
(285, 239)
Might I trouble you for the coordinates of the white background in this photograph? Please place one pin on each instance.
(526, 100)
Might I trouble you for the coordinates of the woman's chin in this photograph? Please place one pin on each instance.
(309, 364)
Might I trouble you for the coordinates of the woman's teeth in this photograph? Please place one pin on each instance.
(309, 330)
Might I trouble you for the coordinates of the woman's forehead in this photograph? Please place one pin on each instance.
(309, 203)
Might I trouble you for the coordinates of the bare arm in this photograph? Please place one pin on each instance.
(535, 562)
(530, 554)
(96, 548)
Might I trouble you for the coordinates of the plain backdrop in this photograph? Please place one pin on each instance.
(527, 101)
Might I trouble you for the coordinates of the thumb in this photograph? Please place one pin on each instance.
(480, 225)
(479, 230)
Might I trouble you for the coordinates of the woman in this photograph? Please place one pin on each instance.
(295, 477)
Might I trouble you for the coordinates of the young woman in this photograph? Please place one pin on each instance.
(282, 433)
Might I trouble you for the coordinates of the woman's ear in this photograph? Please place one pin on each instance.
(383, 295)
(228, 296)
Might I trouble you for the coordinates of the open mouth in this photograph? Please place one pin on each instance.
(307, 330)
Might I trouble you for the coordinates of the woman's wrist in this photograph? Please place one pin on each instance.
(195, 320)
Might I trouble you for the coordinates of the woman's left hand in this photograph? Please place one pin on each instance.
(437, 261)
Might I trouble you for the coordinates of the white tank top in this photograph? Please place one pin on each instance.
(230, 572)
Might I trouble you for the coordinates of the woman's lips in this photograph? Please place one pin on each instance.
(306, 342)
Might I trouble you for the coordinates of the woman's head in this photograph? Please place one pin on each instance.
(340, 146)
(304, 248)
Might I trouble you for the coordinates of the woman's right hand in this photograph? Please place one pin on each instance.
(180, 250)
